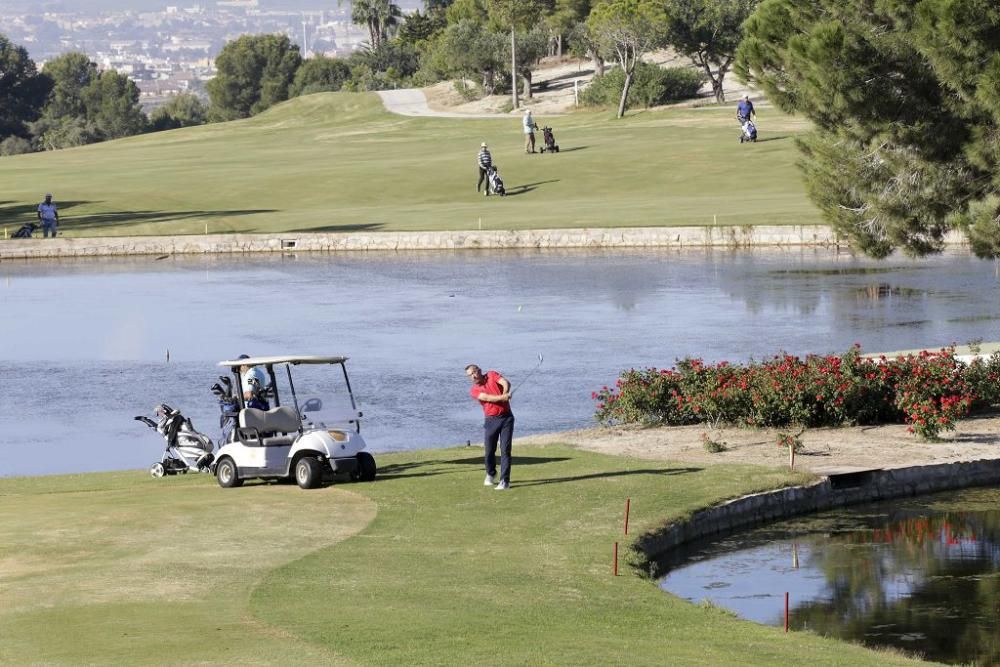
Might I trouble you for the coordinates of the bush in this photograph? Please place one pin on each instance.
(15, 146)
(651, 85)
(929, 391)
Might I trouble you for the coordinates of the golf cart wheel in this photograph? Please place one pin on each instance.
(227, 474)
(157, 470)
(307, 472)
(366, 467)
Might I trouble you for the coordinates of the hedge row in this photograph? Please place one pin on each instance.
(929, 391)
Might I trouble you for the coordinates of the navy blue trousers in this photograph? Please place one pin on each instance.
(499, 430)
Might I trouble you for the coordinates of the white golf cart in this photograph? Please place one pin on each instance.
(307, 429)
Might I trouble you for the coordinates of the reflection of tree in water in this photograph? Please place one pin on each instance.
(924, 584)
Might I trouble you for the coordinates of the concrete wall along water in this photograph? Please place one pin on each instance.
(849, 488)
(625, 237)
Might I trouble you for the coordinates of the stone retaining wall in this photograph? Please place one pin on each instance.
(831, 492)
(627, 237)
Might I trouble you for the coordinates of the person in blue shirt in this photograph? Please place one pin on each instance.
(744, 110)
(48, 215)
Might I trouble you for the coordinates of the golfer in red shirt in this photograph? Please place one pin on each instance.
(493, 393)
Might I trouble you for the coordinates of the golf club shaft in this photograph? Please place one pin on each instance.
(530, 373)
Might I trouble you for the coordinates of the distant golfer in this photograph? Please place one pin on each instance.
(48, 215)
(485, 162)
(493, 393)
(745, 110)
(529, 131)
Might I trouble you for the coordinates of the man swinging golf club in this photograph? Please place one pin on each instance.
(492, 390)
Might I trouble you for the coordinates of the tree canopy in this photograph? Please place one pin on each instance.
(254, 73)
(626, 30)
(22, 90)
(905, 98)
(708, 32)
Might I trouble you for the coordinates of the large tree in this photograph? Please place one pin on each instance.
(183, 110)
(708, 32)
(254, 73)
(905, 99)
(467, 49)
(517, 16)
(22, 90)
(628, 29)
(320, 74)
(379, 16)
(112, 103)
(86, 105)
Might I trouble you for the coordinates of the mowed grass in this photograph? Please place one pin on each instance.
(340, 162)
(426, 566)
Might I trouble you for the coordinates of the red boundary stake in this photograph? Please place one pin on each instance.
(616, 559)
(628, 503)
(786, 612)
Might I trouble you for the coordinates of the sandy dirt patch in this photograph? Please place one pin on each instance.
(825, 450)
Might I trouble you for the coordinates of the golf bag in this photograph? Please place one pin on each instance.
(25, 231)
(749, 132)
(549, 141)
(229, 408)
(187, 449)
(496, 183)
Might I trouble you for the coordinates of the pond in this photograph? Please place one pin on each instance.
(84, 343)
(921, 575)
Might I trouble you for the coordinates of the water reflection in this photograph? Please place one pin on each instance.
(85, 341)
(922, 576)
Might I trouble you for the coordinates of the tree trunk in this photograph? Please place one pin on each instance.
(526, 77)
(598, 63)
(628, 84)
(559, 45)
(513, 69)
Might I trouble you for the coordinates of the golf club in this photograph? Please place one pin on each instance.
(530, 373)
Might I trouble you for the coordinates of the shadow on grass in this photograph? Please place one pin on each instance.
(528, 187)
(604, 475)
(405, 470)
(781, 138)
(15, 212)
(573, 148)
(363, 227)
(112, 218)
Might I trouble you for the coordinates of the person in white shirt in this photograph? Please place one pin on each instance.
(529, 132)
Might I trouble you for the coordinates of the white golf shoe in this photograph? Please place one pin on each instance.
(488, 481)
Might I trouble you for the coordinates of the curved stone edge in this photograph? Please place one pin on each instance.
(623, 237)
(828, 493)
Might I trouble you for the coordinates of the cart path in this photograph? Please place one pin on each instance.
(413, 102)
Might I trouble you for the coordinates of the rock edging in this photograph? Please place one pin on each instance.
(830, 492)
(722, 236)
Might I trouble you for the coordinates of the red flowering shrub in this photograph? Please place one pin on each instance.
(929, 391)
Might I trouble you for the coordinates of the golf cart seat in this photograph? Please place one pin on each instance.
(265, 425)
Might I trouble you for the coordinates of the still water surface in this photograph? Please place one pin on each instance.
(83, 343)
(921, 575)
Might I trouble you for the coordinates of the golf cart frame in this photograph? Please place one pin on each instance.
(285, 441)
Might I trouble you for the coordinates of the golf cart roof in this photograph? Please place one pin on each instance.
(294, 359)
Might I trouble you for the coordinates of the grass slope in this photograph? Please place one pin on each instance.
(340, 162)
(115, 568)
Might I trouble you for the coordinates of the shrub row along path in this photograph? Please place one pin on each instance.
(826, 450)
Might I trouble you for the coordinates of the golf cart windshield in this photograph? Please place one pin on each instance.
(322, 393)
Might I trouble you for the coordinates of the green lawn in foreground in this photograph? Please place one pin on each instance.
(340, 162)
(116, 568)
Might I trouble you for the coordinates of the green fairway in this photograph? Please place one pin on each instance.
(340, 162)
(425, 566)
